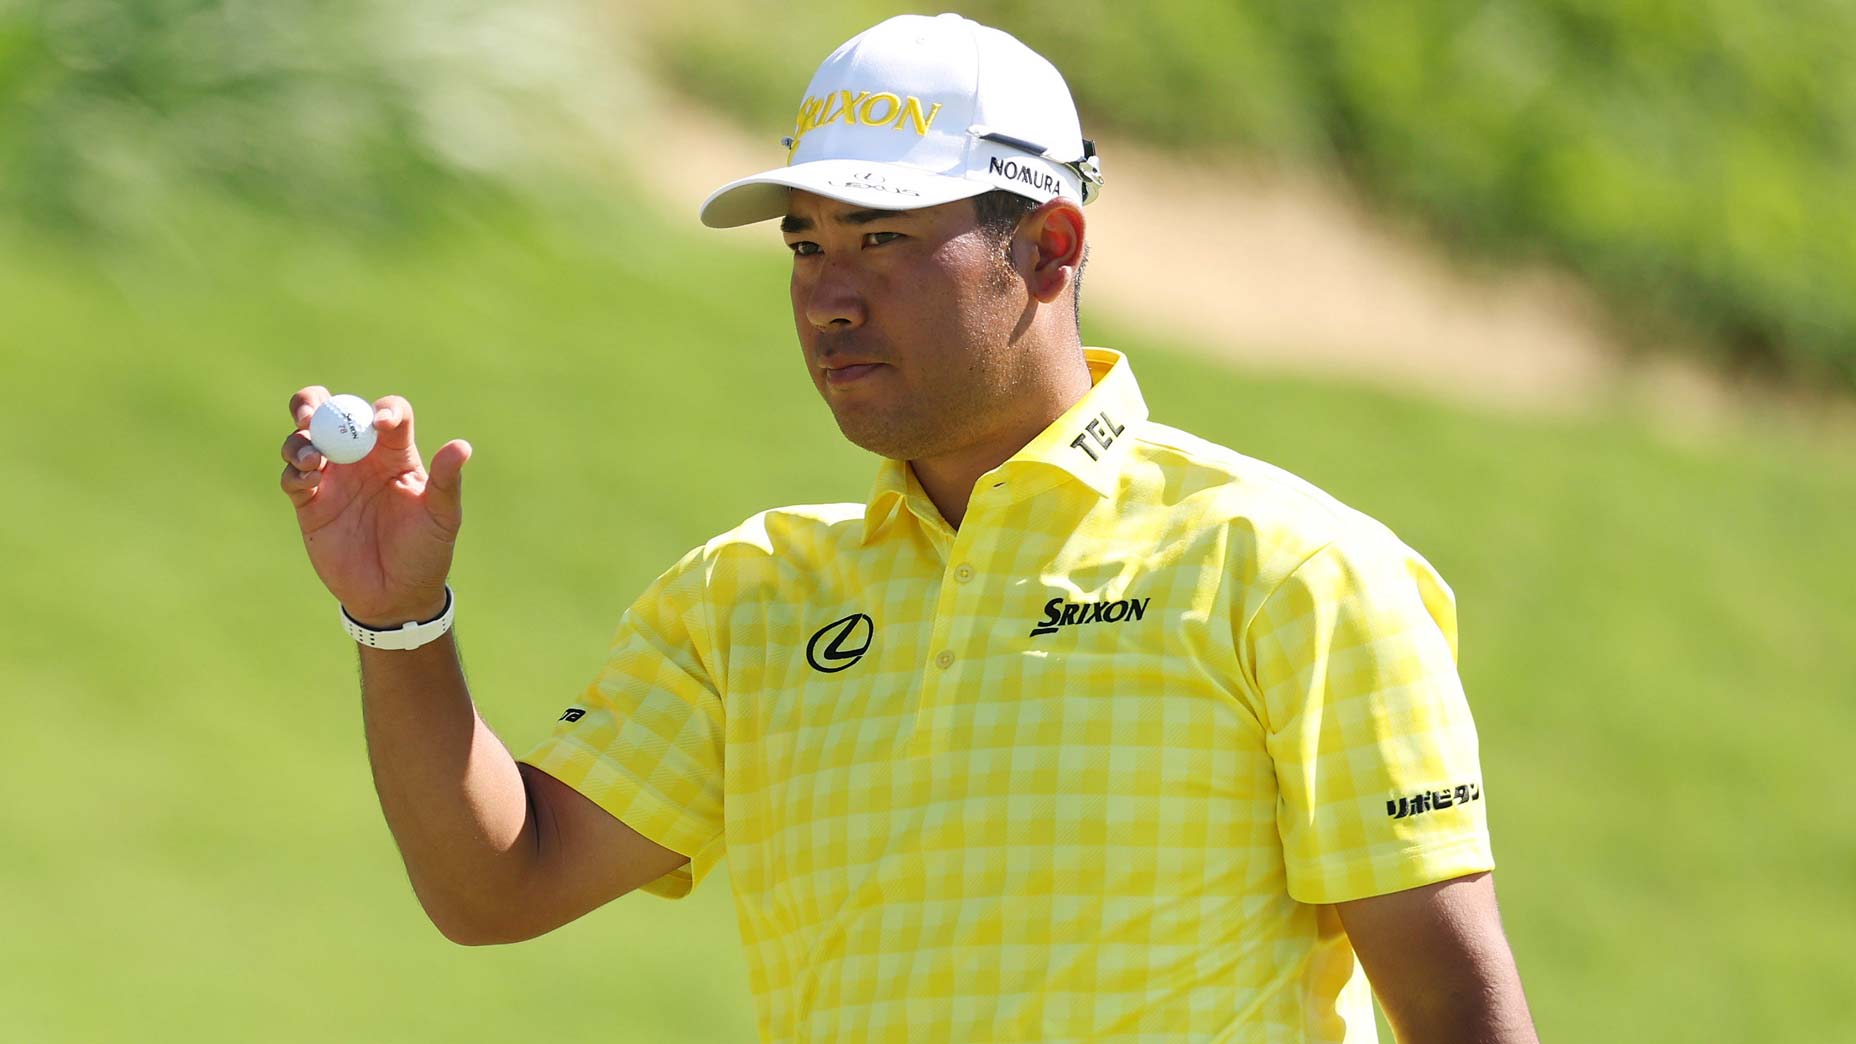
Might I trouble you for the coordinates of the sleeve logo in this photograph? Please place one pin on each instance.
(1433, 800)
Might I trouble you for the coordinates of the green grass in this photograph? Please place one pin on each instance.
(1656, 638)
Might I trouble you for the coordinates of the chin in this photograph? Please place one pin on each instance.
(878, 445)
(882, 439)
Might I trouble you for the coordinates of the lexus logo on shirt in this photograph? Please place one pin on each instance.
(840, 643)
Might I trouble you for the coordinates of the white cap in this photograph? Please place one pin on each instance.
(919, 111)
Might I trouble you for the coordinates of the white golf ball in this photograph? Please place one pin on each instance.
(343, 428)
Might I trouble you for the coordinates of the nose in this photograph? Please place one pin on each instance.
(833, 300)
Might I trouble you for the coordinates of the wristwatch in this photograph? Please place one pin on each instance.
(409, 635)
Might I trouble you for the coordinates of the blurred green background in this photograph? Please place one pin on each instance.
(205, 204)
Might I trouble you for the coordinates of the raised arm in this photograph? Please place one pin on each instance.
(496, 851)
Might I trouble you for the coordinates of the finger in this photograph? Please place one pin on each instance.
(393, 420)
(301, 452)
(444, 486)
(304, 403)
(298, 485)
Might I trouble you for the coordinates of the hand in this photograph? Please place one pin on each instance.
(380, 532)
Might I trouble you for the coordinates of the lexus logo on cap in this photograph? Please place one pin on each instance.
(871, 181)
(840, 643)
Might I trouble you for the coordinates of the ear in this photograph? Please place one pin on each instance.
(1049, 248)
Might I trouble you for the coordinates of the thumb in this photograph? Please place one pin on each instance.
(445, 483)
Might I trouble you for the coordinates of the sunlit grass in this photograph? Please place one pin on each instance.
(1656, 638)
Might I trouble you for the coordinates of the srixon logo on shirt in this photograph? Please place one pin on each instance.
(1060, 613)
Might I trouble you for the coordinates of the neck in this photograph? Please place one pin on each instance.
(948, 479)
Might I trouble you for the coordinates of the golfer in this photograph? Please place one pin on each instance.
(1080, 728)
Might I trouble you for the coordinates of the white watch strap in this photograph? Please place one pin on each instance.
(409, 635)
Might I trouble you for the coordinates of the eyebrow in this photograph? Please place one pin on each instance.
(795, 223)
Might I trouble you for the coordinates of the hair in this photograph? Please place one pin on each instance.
(999, 213)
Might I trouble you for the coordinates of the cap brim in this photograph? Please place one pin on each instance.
(877, 186)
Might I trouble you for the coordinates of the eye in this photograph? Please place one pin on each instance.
(879, 238)
(803, 248)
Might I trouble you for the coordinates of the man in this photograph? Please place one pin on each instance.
(1081, 728)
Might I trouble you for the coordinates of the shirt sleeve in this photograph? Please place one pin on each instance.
(1354, 656)
(645, 740)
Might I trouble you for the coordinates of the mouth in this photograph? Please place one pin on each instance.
(840, 375)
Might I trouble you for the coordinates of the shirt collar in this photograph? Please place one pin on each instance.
(1090, 442)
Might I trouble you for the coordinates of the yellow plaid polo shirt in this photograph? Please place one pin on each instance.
(1085, 768)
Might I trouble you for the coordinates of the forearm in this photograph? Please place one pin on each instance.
(452, 794)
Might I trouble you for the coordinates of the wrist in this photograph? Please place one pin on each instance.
(392, 619)
(400, 632)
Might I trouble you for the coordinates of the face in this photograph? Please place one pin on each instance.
(908, 321)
